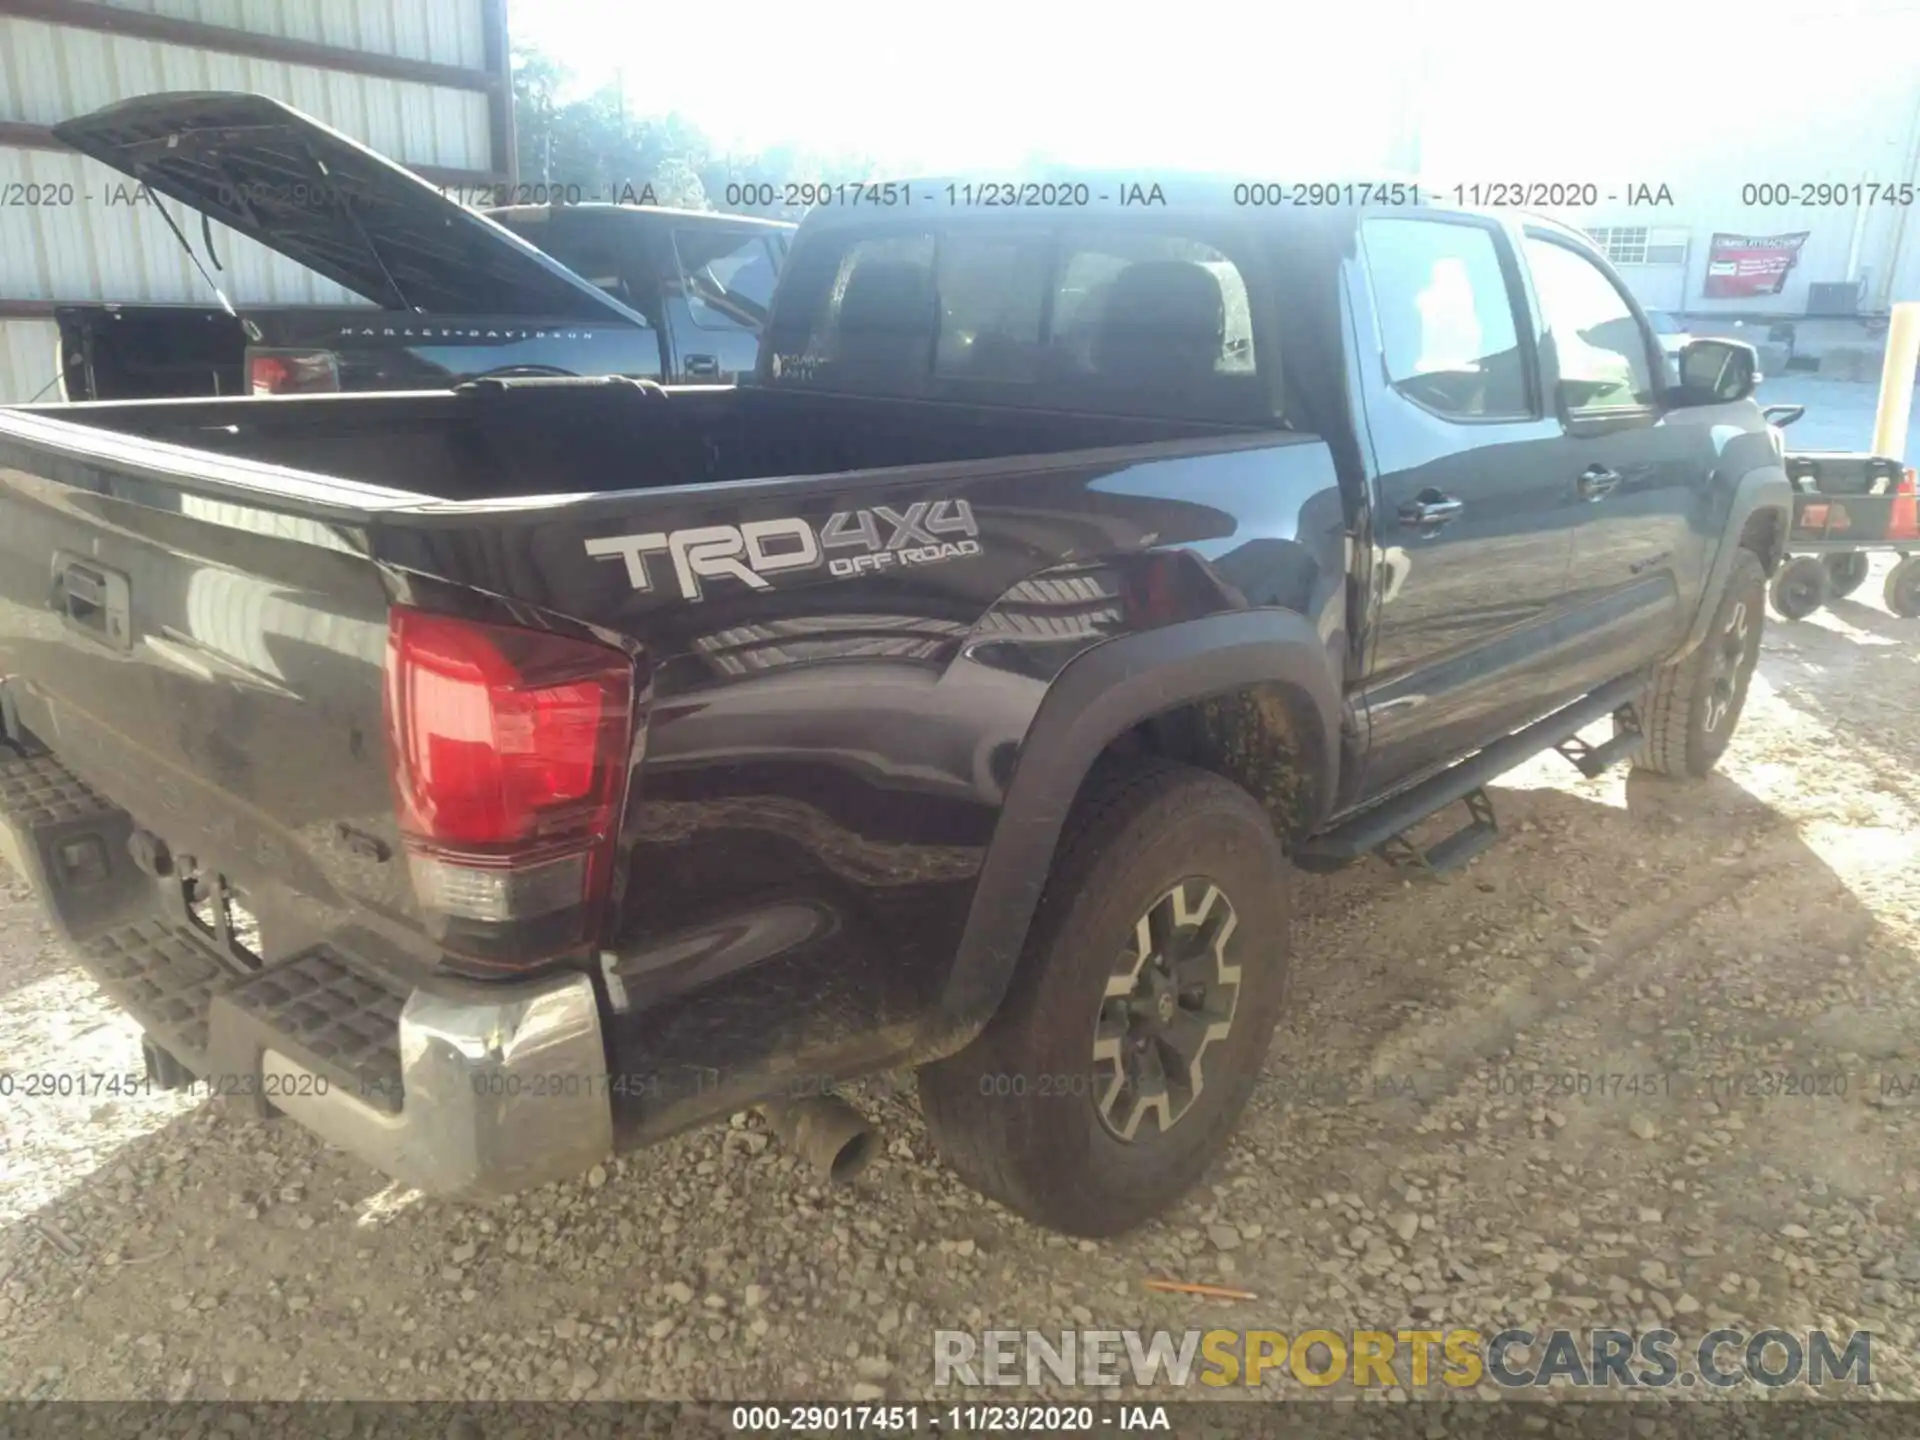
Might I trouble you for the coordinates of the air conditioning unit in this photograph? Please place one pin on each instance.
(1835, 298)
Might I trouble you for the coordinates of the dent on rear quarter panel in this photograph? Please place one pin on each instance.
(826, 759)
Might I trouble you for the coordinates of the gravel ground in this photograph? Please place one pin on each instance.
(1709, 936)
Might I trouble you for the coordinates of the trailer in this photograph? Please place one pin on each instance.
(1847, 507)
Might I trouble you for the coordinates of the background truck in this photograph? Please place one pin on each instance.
(516, 289)
(495, 777)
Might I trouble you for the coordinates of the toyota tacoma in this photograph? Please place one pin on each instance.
(497, 778)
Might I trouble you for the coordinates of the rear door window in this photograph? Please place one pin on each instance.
(1445, 310)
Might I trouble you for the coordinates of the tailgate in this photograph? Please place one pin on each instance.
(195, 660)
(201, 640)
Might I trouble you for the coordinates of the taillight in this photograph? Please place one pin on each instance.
(292, 372)
(509, 753)
(1903, 519)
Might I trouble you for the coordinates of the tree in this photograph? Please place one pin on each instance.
(594, 143)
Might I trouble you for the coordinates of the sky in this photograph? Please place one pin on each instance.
(1523, 88)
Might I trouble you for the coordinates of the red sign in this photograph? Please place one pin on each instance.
(1743, 265)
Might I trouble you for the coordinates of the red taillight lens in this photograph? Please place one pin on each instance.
(267, 375)
(292, 372)
(509, 756)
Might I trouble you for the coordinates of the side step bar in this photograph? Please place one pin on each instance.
(1382, 828)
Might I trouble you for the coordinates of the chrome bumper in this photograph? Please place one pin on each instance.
(504, 1089)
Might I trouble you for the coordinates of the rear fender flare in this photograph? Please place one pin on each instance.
(1100, 696)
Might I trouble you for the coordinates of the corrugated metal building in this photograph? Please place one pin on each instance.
(423, 81)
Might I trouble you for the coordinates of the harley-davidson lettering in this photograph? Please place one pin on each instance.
(447, 332)
(918, 535)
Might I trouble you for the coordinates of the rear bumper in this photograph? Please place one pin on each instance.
(502, 1089)
(463, 1090)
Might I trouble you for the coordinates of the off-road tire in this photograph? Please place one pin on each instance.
(1016, 1114)
(1678, 710)
(1801, 586)
(1846, 572)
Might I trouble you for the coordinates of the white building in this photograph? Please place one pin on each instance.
(1761, 122)
(424, 81)
(1838, 164)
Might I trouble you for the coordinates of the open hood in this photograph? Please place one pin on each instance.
(284, 179)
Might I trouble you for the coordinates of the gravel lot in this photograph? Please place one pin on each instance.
(1712, 936)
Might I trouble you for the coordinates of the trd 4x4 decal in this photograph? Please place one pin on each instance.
(924, 533)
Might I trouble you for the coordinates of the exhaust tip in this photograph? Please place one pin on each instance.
(853, 1157)
(826, 1133)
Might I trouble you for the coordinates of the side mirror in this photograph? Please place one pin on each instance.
(1783, 415)
(1715, 372)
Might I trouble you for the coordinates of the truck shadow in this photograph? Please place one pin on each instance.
(1575, 882)
(1875, 621)
(1858, 688)
(1686, 934)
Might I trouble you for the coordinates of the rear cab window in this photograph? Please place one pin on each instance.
(1082, 314)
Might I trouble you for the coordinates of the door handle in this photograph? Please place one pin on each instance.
(1597, 481)
(703, 365)
(1429, 510)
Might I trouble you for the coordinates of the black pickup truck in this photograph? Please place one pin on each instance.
(559, 288)
(490, 779)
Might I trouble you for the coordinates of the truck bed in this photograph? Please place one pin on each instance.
(532, 438)
(195, 608)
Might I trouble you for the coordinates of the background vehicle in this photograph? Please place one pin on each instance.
(1672, 336)
(587, 289)
(596, 759)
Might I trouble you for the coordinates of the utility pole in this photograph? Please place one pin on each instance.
(1409, 110)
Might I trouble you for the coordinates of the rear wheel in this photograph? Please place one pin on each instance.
(1689, 713)
(1845, 573)
(1903, 588)
(1800, 588)
(1137, 1022)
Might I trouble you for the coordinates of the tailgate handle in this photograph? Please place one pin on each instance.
(93, 599)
